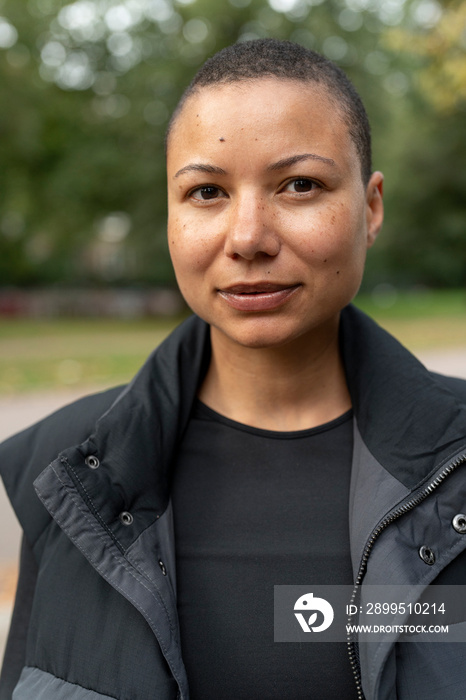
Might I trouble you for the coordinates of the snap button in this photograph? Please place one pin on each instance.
(126, 518)
(427, 555)
(459, 523)
(162, 566)
(92, 461)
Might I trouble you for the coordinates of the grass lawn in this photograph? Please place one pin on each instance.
(421, 319)
(51, 354)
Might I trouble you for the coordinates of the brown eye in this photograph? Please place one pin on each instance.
(301, 185)
(208, 192)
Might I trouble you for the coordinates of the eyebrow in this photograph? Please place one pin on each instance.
(279, 165)
(201, 168)
(287, 162)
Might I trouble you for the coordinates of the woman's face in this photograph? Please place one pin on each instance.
(269, 220)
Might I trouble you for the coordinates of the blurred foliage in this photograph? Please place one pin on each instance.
(442, 78)
(87, 87)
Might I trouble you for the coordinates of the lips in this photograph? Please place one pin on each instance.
(260, 296)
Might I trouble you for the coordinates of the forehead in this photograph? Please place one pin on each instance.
(272, 113)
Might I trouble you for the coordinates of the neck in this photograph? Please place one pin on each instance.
(293, 387)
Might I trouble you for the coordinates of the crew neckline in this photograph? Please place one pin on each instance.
(204, 412)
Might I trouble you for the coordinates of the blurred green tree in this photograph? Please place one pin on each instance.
(426, 241)
(87, 87)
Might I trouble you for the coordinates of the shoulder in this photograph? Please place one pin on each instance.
(25, 455)
(68, 426)
(456, 385)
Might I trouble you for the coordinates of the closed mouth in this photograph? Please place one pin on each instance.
(258, 297)
(258, 288)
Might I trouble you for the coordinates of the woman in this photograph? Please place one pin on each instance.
(283, 439)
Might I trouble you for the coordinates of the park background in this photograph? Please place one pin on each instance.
(86, 90)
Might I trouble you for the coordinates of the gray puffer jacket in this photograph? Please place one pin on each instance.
(103, 623)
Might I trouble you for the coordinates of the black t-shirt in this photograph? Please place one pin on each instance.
(253, 509)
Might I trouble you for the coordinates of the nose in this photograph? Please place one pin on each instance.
(251, 232)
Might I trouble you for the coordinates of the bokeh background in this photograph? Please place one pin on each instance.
(86, 90)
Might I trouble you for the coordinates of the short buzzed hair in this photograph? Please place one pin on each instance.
(262, 58)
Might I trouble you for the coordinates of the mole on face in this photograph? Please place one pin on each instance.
(221, 138)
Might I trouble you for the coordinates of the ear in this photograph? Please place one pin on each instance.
(374, 207)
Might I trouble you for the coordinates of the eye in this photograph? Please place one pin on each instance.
(206, 192)
(301, 185)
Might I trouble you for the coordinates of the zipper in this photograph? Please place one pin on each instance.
(394, 515)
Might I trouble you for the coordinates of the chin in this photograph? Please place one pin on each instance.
(260, 334)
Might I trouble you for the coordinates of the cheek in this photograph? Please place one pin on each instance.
(329, 246)
(342, 235)
(322, 232)
(190, 251)
(333, 248)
